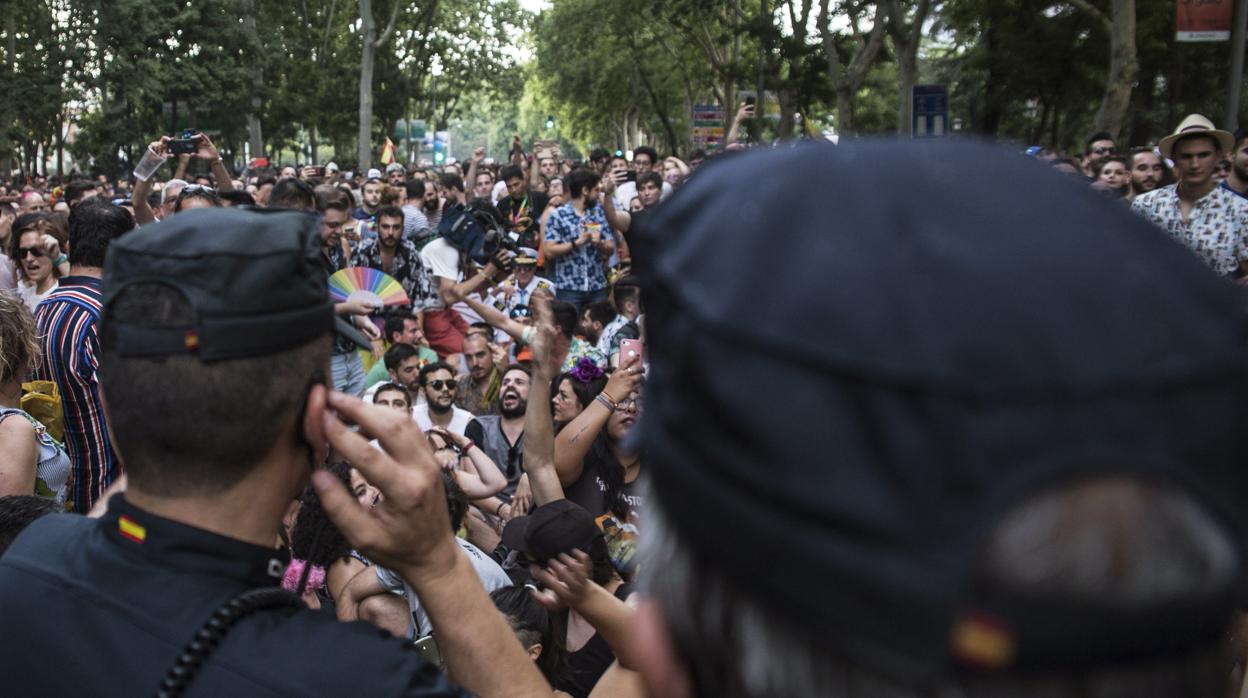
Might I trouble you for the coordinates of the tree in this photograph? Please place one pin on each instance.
(906, 30)
(1123, 63)
(370, 42)
(860, 50)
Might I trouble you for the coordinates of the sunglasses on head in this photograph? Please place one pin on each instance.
(438, 385)
(23, 251)
(520, 311)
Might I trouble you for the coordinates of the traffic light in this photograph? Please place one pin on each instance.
(550, 122)
(441, 141)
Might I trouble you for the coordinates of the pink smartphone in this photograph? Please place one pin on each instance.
(630, 348)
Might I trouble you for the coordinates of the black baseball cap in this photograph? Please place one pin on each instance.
(953, 328)
(254, 278)
(557, 527)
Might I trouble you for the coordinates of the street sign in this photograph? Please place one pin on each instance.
(930, 111)
(1204, 20)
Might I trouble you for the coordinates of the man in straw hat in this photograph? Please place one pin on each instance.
(1210, 220)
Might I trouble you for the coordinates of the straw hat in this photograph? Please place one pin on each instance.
(1195, 124)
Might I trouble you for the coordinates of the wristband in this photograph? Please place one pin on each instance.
(606, 401)
(498, 512)
(463, 451)
(61, 260)
(526, 337)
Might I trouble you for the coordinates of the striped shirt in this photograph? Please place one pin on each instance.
(68, 322)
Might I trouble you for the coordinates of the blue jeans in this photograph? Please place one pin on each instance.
(348, 372)
(581, 299)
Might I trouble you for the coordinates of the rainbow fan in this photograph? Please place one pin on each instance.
(368, 285)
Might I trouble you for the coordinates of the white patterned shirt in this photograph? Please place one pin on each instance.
(1216, 230)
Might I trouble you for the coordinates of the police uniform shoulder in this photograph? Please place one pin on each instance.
(314, 654)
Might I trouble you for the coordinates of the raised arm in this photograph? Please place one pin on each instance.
(539, 431)
(573, 442)
(143, 213)
(566, 582)
(407, 532)
(619, 220)
(744, 111)
(208, 151)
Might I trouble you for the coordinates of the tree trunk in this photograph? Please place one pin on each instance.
(907, 74)
(255, 133)
(368, 30)
(846, 102)
(1123, 64)
(1123, 69)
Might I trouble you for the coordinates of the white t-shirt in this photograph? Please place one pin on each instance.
(30, 297)
(460, 419)
(500, 190)
(443, 261)
(491, 575)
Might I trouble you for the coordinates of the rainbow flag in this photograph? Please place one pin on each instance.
(387, 152)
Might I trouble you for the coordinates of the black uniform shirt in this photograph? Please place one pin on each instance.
(104, 608)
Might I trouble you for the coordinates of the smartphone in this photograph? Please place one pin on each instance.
(631, 349)
(751, 100)
(630, 176)
(428, 649)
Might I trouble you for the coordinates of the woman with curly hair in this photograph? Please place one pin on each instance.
(33, 463)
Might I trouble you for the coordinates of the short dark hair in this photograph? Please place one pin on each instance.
(1098, 136)
(389, 211)
(189, 440)
(450, 180)
(646, 150)
(523, 368)
(625, 290)
(328, 197)
(17, 511)
(563, 314)
(75, 189)
(266, 179)
(94, 224)
(395, 323)
(434, 367)
(650, 177)
(398, 353)
(1240, 135)
(373, 180)
(580, 180)
(601, 312)
(415, 188)
(511, 172)
(599, 154)
(392, 387)
(292, 193)
(238, 198)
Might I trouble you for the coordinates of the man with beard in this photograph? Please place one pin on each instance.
(421, 212)
(397, 256)
(479, 392)
(1237, 180)
(578, 239)
(503, 440)
(1100, 146)
(396, 176)
(437, 381)
(1147, 172)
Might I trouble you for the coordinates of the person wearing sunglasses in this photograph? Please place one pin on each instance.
(437, 382)
(1100, 146)
(35, 248)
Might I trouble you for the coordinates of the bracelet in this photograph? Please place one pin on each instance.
(498, 512)
(61, 260)
(463, 451)
(606, 401)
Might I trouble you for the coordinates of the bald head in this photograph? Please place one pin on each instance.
(31, 202)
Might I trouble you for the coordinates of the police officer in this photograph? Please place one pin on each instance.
(216, 337)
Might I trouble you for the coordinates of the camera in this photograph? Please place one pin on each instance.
(185, 145)
(478, 230)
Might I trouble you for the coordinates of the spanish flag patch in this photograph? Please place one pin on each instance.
(131, 529)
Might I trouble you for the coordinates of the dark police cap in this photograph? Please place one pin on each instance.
(255, 280)
(950, 328)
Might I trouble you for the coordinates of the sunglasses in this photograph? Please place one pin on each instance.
(520, 311)
(438, 385)
(23, 251)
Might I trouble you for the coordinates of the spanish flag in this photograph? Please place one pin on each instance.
(387, 152)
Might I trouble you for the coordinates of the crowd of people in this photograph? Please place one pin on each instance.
(875, 463)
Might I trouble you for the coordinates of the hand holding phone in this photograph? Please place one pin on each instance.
(631, 350)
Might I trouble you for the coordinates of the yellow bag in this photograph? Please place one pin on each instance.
(42, 401)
